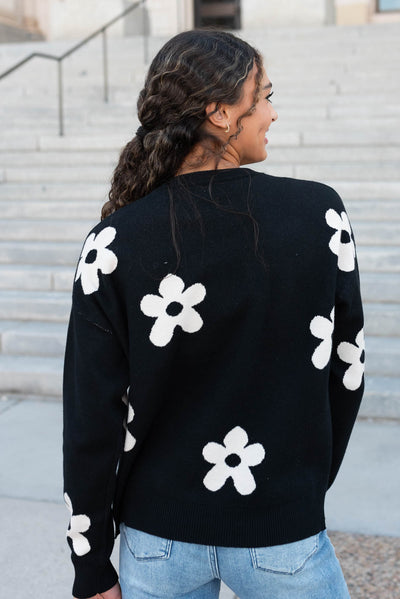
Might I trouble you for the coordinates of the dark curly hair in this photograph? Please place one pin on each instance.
(192, 70)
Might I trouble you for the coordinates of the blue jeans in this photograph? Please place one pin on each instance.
(154, 567)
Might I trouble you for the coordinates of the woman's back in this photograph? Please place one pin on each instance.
(227, 372)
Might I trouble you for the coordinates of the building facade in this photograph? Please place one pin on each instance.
(61, 19)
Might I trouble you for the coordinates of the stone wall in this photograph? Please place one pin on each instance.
(61, 19)
(256, 13)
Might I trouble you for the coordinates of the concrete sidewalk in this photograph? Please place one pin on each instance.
(34, 555)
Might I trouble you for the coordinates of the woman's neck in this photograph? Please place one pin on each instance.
(200, 159)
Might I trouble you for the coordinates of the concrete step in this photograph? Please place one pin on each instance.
(348, 190)
(378, 259)
(110, 114)
(337, 113)
(355, 171)
(339, 136)
(46, 230)
(75, 127)
(318, 155)
(382, 320)
(42, 375)
(93, 109)
(38, 336)
(327, 133)
(291, 99)
(68, 142)
(54, 192)
(94, 138)
(25, 116)
(40, 252)
(358, 210)
(377, 233)
(345, 81)
(371, 258)
(373, 210)
(326, 154)
(52, 306)
(287, 136)
(77, 158)
(23, 299)
(380, 287)
(382, 356)
(28, 277)
(381, 397)
(364, 190)
(33, 338)
(30, 375)
(70, 174)
(340, 171)
(90, 209)
(375, 287)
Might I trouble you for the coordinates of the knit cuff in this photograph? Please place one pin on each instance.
(90, 579)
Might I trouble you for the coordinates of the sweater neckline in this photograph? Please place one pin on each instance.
(224, 173)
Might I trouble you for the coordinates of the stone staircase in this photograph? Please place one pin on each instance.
(336, 93)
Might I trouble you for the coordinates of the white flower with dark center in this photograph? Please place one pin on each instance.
(78, 525)
(322, 328)
(233, 459)
(174, 307)
(94, 257)
(130, 440)
(355, 356)
(341, 242)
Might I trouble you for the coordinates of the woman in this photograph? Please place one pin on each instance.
(210, 389)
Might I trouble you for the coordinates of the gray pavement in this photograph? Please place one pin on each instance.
(34, 555)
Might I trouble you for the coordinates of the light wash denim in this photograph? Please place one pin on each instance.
(154, 567)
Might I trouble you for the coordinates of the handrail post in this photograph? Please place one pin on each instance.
(60, 99)
(105, 65)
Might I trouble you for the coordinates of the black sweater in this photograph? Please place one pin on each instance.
(210, 403)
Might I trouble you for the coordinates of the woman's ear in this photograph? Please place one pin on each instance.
(217, 115)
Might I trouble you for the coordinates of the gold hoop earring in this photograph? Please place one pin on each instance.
(227, 128)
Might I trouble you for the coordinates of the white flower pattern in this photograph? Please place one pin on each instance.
(322, 328)
(78, 524)
(180, 305)
(341, 242)
(239, 457)
(130, 440)
(94, 257)
(355, 356)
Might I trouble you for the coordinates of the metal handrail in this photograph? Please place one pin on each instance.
(59, 59)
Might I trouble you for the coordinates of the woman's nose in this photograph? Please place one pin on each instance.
(274, 115)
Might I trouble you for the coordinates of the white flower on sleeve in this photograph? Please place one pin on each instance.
(130, 440)
(233, 459)
(322, 328)
(78, 525)
(173, 307)
(94, 257)
(341, 242)
(355, 356)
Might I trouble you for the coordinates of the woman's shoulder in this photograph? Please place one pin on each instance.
(136, 217)
(306, 190)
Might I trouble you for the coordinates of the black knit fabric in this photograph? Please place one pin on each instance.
(213, 404)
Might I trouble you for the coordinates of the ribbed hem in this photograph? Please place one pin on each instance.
(90, 580)
(206, 525)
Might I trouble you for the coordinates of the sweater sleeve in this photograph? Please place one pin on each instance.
(95, 385)
(346, 378)
(95, 379)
